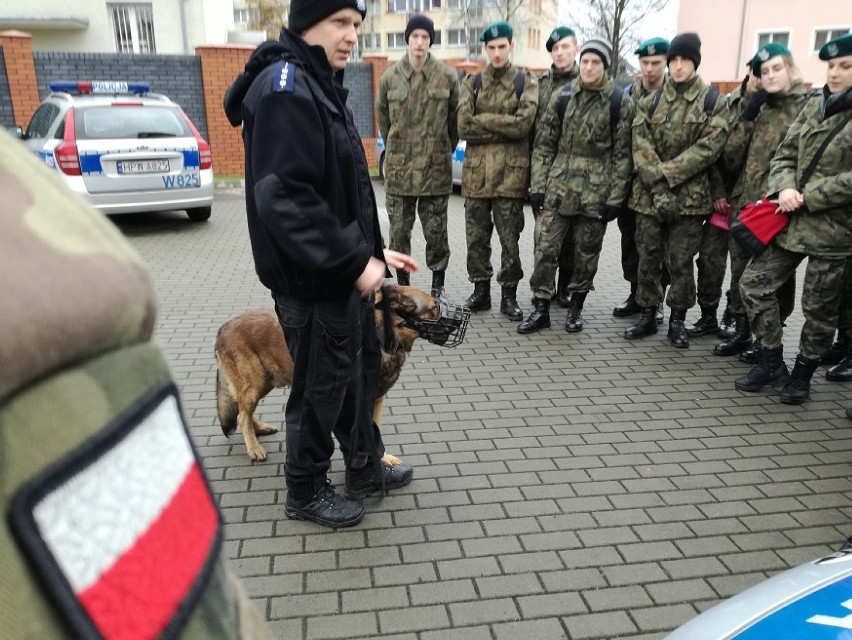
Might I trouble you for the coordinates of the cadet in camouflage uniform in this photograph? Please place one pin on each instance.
(673, 149)
(562, 45)
(581, 170)
(820, 230)
(80, 383)
(839, 354)
(763, 117)
(416, 109)
(652, 63)
(496, 123)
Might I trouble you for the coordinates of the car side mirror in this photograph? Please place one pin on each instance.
(18, 132)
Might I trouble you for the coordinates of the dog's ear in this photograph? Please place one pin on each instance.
(401, 302)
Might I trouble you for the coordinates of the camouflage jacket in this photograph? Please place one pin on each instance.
(78, 371)
(580, 163)
(682, 141)
(549, 83)
(496, 125)
(823, 226)
(637, 90)
(417, 119)
(751, 145)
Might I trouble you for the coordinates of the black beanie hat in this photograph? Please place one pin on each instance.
(687, 45)
(419, 21)
(306, 13)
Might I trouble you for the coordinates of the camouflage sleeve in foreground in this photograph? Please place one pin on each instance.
(783, 169)
(622, 156)
(517, 125)
(701, 155)
(548, 132)
(717, 183)
(72, 287)
(382, 109)
(644, 148)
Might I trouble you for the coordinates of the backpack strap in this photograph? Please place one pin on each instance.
(615, 111)
(655, 102)
(809, 170)
(710, 100)
(520, 80)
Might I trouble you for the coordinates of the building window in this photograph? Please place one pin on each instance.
(396, 40)
(245, 17)
(821, 36)
(370, 41)
(779, 37)
(133, 25)
(455, 38)
(408, 6)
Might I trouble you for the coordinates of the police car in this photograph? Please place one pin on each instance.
(458, 159)
(810, 602)
(123, 148)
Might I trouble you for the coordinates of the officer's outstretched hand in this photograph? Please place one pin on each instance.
(399, 260)
(537, 202)
(372, 278)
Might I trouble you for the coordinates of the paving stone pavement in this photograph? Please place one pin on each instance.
(567, 486)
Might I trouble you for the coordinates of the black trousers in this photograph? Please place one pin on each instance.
(336, 364)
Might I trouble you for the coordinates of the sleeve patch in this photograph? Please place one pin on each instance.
(284, 78)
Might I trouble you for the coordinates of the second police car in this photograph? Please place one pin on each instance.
(123, 148)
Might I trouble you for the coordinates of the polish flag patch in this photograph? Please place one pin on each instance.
(125, 531)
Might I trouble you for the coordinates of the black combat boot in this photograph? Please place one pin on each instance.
(705, 325)
(659, 314)
(798, 388)
(509, 304)
(629, 307)
(849, 413)
(438, 287)
(564, 298)
(739, 341)
(324, 507)
(361, 483)
(837, 351)
(728, 321)
(770, 370)
(678, 335)
(574, 321)
(480, 299)
(749, 356)
(403, 278)
(646, 325)
(841, 372)
(538, 319)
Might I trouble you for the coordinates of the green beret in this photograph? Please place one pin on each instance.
(767, 52)
(837, 48)
(653, 47)
(557, 35)
(500, 29)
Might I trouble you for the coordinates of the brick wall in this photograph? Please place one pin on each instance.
(178, 77)
(20, 74)
(7, 114)
(359, 80)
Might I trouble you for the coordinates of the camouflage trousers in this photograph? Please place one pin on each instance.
(712, 261)
(672, 240)
(565, 263)
(433, 220)
(739, 261)
(508, 218)
(821, 289)
(629, 253)
(585, 246)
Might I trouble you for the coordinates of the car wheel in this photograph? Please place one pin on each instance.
(199, 214)
(382, 166)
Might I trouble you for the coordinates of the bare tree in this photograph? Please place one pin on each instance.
(619, 22)
(477, 14)
(267, 15)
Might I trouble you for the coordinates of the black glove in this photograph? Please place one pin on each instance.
(650, 174)
(609, 213)
(537, 202)
(752, 108)
(665, 202)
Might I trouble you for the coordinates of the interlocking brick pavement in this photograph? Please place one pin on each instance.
(567, 486)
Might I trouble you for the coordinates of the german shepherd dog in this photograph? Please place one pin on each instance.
(253, 359)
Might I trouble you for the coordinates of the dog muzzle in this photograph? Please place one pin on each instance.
(448, 330)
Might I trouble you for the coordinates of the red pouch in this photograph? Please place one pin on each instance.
(757, 225)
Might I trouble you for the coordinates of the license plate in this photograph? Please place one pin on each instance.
(142, 166)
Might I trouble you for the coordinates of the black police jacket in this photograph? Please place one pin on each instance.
(310, 204)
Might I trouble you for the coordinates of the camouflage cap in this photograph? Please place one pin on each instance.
(836, 48)
(767, 52)
(558, 34)
(500, 29)
(652, 47)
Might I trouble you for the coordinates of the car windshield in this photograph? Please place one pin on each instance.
(130, 121)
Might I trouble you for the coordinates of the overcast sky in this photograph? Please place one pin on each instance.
(662, 24)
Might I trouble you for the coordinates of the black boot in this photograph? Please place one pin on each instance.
(361, 483)
(324, 507)
(770, 370)
(509, 304)
(749, 356)
(837, 351)
(574, 320)
(480, 299)
(438, 287)
(678, 335)
(564, 298)
(739, 341)
(727, 325)
(403, 278)
(646, 325)
(798, 388)
(660, 315)
(849, 413)
(841, 372)
(539, 318)
(629, 307)
(705, 325)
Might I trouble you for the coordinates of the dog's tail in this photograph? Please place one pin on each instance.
(226, 406)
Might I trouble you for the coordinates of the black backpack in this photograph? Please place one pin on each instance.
(614, 106)
(709, 101)
(520, 78)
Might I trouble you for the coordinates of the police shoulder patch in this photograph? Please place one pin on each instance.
(124, 531)
(284, 78)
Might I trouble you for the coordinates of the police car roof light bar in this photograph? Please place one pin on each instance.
(100, 86)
